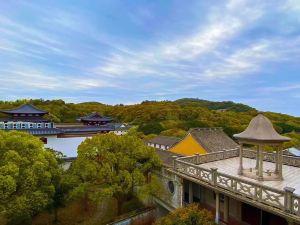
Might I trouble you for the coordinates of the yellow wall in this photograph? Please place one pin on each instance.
(188, 146)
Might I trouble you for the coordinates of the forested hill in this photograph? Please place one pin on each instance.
(166, 117)
(225, 105)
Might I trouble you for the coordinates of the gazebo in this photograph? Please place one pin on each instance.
(261, 133)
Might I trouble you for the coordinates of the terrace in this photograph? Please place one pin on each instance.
(219, 171)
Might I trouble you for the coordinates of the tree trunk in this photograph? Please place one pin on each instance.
(119, 206)
(55, 216)
(86, 202)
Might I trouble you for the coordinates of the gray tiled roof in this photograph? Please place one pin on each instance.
(94, 116)
(87, 129)
(213, 139)
(24, 119)
(164, 140)
(40, 131)
(166, 157)
(26, 109)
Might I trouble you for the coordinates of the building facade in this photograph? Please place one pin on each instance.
(63, 138)
(162, 142)
(244, 185)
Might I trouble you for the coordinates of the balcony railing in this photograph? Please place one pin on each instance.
(284, 200)
(247, 153)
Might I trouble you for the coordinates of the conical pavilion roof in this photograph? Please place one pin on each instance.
(261, 130)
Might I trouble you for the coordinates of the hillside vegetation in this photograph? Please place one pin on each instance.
(167, 117)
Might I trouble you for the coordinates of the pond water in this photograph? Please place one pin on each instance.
(68, 145)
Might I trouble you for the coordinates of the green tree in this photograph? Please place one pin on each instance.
(27, 176)
(151, 128)
(113, 166)
(190, 215)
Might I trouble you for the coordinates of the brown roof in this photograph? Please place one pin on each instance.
(213, 139)
(166, 157)
(261, 130)
(164, 140)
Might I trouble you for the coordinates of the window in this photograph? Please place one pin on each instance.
(5, 126)
(31, 125)
(171, 187)
(46, 125)
(23, 125)
(39, 125)
(14, 126)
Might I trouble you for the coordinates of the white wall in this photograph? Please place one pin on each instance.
(68, 146)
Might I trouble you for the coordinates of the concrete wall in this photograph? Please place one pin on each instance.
(174, 200)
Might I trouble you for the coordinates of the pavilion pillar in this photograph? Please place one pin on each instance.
(217, 216)
(240, 172)
(257, 157)
(277, 161)
(226, 209)
(280, 162)
(191, 195)
(260, 166)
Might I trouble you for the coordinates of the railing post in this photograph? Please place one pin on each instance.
(174, 157)
(214, 172)
(217, 216)
(288, 203)
(197, 158)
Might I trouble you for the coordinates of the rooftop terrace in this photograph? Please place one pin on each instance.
(219, 171)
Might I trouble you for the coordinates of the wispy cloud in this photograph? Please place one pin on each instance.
(23, 77)
(225, 23)
(153, 51)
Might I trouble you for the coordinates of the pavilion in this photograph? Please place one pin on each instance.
(262, 134)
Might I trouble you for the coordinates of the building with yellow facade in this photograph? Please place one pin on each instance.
(202, 141)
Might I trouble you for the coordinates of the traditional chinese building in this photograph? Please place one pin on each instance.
(202, 141)
(65, 139)
(162, 142)
(253, 183)
(94, 119)
(28, 118)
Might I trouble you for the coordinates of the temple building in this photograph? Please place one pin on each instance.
(63, 138)
(94, 119)
(202, 141)
(28, 118)
(162, 142)
(253, 183)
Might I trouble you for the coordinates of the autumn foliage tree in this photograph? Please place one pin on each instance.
(190, 215)
(113, 166)
(28, 174)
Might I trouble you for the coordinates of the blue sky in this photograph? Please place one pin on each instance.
(127, 51)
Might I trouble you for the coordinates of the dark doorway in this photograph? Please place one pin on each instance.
(250, 214)
(271, 219)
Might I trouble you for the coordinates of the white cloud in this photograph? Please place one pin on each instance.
(24, 77)
(225, 23)
(282, 88)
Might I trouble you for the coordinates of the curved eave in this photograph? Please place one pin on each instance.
(95, 120)
(16, 112)
(261, 141)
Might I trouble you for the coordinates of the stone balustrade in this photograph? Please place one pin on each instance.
(284, 200)
(247, 153)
